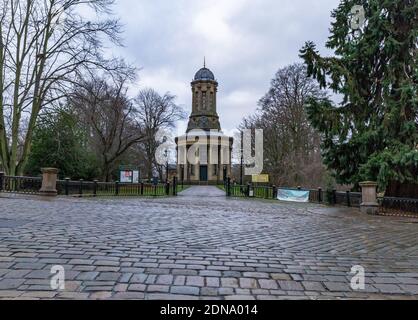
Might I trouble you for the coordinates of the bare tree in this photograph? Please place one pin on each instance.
(155, 112)
(44, 46)
(110, 117)
(292, 152)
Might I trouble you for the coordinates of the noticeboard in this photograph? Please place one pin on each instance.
(128, 175)
(260, 178)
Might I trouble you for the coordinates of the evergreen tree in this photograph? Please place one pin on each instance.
(372, 133)
(60, 141)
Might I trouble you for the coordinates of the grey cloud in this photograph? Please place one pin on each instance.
(245, 42)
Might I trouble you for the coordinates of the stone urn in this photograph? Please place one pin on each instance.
(49, 182)
(369, 203)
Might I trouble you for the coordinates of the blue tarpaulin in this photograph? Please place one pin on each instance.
(293, 195)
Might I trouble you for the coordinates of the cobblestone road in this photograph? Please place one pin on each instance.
(201, 245)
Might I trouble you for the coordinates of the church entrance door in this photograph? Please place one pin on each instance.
(203, 173)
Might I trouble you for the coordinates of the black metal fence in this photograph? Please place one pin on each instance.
(398, 205)
(27, 185)
(80, 188)
(333, 197)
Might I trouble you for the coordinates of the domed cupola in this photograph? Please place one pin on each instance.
(204, 74)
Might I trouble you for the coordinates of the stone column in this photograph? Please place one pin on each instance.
(49, 182)
(369, 203)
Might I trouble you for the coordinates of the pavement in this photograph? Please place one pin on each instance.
(201, 245)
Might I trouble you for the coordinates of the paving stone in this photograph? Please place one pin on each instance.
(158, 288)
(259, 292)
(290, 285)
(240, 291)
(195, 281)
(84, 268)
(210, 273)
(16, 274)
(157, 271)
(87, 276)
(410, 288)
(29, 265)
(256, 275)
(7, 284)
(179, 280)
(226, 291)
(206, 291)
(108, 276)
(39, 274)
(313, 286)
(229, 282)
(128, 295)
(165, 279)
(98, 288)
(40, 294)
(37, 287)
(137, 287)
(280, 276)
(248, 283)
(388, 288)
(138, 278)
(184, 272)
(231, 274)
(212, 282)
(186, 290)
(337, 286)
(386, 280)
(151, 279)
(87, 262)
(268, 284)
(121, 287)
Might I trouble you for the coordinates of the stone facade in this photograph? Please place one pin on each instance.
(204, 152)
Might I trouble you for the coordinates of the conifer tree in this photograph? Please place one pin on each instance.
(372, 134)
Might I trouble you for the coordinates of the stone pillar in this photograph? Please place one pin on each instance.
(49, 182)
(369, 203)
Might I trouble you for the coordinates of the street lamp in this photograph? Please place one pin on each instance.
(182, 174)
(242, 160)
(166, 155)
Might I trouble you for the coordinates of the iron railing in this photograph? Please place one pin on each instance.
(333, 197)
(14, 184)
(398, 205)
(80, 188)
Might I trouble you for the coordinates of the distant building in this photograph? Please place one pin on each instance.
(204, 152)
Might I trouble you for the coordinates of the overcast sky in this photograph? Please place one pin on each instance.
(245, 42)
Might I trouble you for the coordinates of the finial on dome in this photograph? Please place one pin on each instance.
(204, 61)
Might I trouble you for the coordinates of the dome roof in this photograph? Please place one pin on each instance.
(204, 74)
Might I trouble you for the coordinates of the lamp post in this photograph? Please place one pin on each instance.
(241, 179)
(166, 165)
(182, 174)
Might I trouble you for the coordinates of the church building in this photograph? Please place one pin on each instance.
(204, 152)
